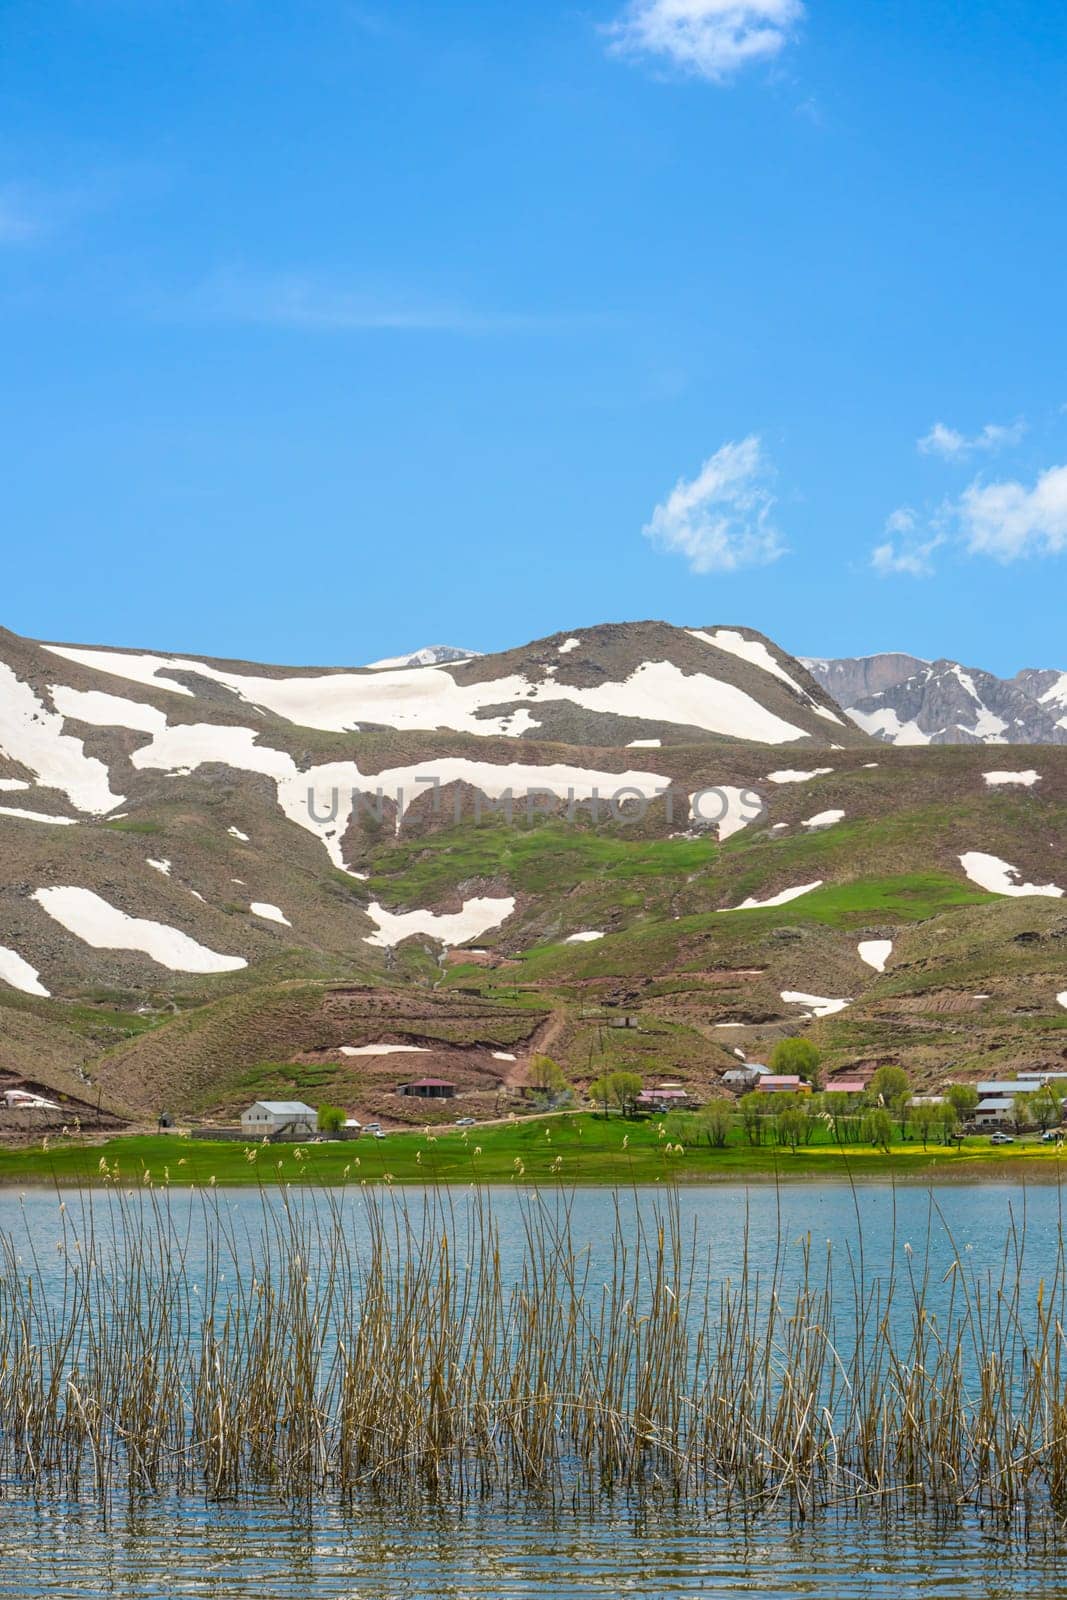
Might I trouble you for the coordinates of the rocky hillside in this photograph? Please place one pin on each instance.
(902, 700)
(220, 879)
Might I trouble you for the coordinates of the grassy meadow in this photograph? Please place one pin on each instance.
(567, 1148)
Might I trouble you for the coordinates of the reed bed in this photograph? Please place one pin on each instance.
(354, 1344)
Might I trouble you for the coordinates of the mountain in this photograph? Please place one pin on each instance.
(431, 655)
(221, 880)
(900, 699)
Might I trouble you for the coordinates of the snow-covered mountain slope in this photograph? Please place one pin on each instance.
(215, 814)
(610, 685)
(903, 700)
(430, 655)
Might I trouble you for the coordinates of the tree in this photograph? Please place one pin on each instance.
(1023, 1110)
(1046, 1106)
(947, 1119)
(331, 1119)
(878, 1128)
(600, 1093)
(838, 1108)
(963, 1097)
(752, 1107)
(887, 1085)
(797, 1057)
(548, 1079)
(791, 1122)
(715, 1122)
(926, 1118)
(623, 1089)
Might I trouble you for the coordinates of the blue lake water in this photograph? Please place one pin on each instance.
(256, 1546)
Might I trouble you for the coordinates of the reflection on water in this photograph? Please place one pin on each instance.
(257, 1551)
(255, 1547)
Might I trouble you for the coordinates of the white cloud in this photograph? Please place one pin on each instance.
(721, 520)
(955, 446)
(712, 39)
(905, 551)
(1009, 521)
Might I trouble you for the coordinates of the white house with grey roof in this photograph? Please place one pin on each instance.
(279, 1119)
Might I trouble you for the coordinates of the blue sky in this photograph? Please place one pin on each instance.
(331, 329)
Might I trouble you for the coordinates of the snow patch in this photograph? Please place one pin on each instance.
(106, 710)
(875, 952)
(1062, 999)
(503, 1055)
(754, 651)
(384, 1050)
(990, 873)
(820, 1006)
(269, 913)
(9, 785)
(450, 927)
(134, 667)
(33, 736)
(645, 744)
(160, 866)
(235, 833)
(568, 645)
(823, 819)
(887, 723)
(737, 815)
(1026, 779)
(781, 899)
(790, 775)
(104, 927)
(583, 938)
(37, 816)
(18, 974)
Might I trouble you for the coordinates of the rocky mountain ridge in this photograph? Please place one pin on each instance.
(900, 699)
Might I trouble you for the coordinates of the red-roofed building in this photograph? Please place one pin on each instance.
(428, 1089)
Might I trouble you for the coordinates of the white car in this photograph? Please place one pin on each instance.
(1001, 1138)
(465, 1122)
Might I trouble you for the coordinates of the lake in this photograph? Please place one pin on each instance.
(252, 1541)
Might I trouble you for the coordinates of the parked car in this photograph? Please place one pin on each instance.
(1002, 1138)
(378, 1133)
(465, 1122)
(1052, 1136)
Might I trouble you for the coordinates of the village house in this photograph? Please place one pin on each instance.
(279, 1119)
(428, 1089)
(783, 1083)
(665, 1097)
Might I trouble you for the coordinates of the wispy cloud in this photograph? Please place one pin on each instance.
(1008, 521)
(712, 39)
(908, 547)
(955, 446)
(723, 518)
(306, 303)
